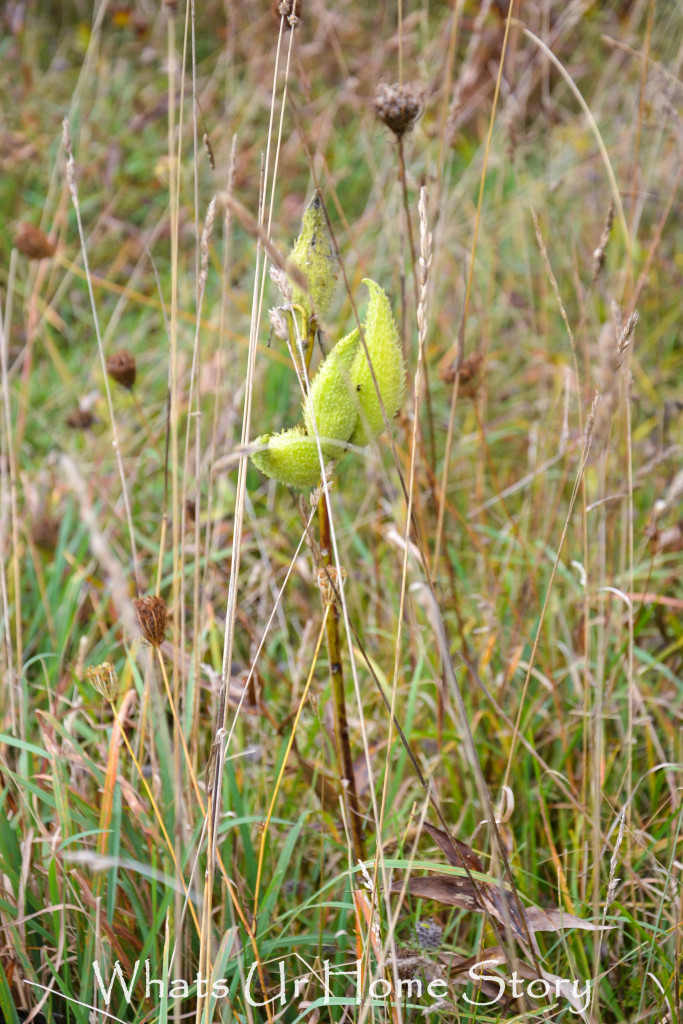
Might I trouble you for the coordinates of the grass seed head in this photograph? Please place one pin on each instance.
(122, 368)
(152, 616)
(398, 107)
(103, 677)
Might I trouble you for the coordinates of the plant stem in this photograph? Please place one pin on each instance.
(341, 728)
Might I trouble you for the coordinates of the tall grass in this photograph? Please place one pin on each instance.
(509, 622)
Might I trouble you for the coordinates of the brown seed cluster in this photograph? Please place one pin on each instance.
(103, 677)
(33, 242)
(121, 367)
(328, 581)
(398, 107)
(152, 616)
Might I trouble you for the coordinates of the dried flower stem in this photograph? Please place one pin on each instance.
(341, 728)
(345, 761)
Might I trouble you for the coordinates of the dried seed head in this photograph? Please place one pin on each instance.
(290, 10)
(278, 324)
(80, 419)
(470, 374)
(627, 333)
(121, 367)
(429, 934)
(600, 252)
(152, 616)
(209, 150)
(103, 677)
(398, 106)
(45, 532)
(328, 581)
(33, 242)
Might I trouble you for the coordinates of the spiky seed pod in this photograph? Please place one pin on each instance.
(103, 677)
(315, 256)
(80, 419)
(122, 368)
(152, 615)
(384, 349)
(331, 404)
(33, 242)
(398, 107)
(290, 457)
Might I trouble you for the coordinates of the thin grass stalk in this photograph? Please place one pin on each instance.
(174, 168)
(290, 743)
(10, 475)
(468, 288)
(73, 188)
(157, 813)
(425, 263)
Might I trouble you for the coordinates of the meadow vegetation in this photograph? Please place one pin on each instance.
(423, 714)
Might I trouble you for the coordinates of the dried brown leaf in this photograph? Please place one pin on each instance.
(458, 854)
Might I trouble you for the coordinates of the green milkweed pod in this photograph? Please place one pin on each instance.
(315, 255)
(384, 348)
(290, 457)
(330, 405)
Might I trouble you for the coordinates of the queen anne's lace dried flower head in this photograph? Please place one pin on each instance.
(428, 934)
(122, 368)
(398, 106)
(103, 677)
(152, 616)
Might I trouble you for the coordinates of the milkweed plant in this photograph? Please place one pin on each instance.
(341, 405)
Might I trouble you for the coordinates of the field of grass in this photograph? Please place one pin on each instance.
(429, 714)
